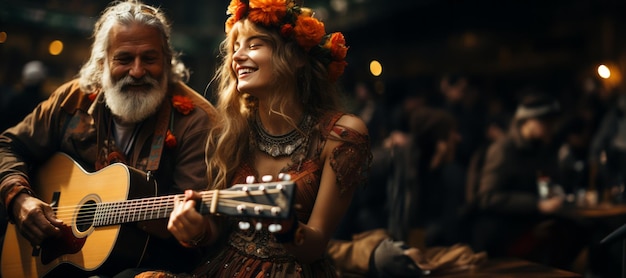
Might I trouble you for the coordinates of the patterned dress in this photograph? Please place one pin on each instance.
(255, 253)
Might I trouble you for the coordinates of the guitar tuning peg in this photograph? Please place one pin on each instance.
(261, 188)
(266, 178)
(276, 210)
(241, 208)
(274, 228)
(259, 226)
(284, 177)
(245, 189)
(243, 225)
(258, 209)
(250, 179)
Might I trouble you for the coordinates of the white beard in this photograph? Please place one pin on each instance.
(133, 106)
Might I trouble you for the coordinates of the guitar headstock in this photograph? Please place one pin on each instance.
(266, 200)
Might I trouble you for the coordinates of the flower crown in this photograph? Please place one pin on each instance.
(296, 23)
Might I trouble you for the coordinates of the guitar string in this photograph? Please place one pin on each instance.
(159, 205)
(132, 217)
(144, 203)
(166, 199)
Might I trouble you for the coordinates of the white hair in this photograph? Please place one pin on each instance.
(127, 13)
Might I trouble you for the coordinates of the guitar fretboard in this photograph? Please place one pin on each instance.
(241, 202)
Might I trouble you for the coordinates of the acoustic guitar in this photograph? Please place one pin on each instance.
(100, 211)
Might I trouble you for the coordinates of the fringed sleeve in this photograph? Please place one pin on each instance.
(351, 160)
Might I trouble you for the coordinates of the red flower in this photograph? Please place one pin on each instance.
(183, 104)
(170, 139)
(286, 30)
(92, 96)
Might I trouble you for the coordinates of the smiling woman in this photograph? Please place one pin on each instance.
(279, 99)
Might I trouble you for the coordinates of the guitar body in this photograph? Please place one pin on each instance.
(83, 248)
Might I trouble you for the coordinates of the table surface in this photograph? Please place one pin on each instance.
(598, 211)
(509, 268)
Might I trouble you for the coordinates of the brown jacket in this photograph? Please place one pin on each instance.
(78, 124)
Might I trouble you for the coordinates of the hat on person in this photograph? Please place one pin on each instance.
(538, 107)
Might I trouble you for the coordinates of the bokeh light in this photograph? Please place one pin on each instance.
(376, 68)
(604, 71)
(56, 47)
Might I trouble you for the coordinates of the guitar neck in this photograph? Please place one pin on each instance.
(113, 213)
(270, 201)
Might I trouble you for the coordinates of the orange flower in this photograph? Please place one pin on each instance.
(170, 139)
(237, 9)
(267, 12)
(286, 30)
(309, 31)
(183, 104)
(335, 69)
(229, 23)
(337, 45)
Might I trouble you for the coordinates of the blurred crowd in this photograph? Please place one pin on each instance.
(453, 165)
(500, 173)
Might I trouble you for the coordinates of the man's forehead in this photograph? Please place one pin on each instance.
(135, 38)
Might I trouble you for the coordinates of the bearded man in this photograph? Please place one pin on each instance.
(129, 105)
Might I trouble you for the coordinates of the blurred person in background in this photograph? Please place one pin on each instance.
(461, 99)
(605, 172)
(128, 105)
(515, 211)
(607, 152)
(371, 108)
(18, 104)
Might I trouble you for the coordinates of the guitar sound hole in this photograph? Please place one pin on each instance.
(85, 217)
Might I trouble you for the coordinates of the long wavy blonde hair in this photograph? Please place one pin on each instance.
(229, 144)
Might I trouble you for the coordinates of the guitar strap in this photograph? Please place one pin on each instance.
(158, 140)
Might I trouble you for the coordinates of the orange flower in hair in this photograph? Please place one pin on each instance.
(308, 32)
(267, 12)
(286, 30)
(237, 9)
(229, 24)
(335, 69)
(296, 23)
(183, 104)
(337, 45)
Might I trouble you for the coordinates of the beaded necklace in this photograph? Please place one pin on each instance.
(281, 145)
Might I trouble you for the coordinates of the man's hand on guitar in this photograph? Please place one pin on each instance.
(35, 219)
(186, 224)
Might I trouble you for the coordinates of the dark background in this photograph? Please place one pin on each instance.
(502, 45)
